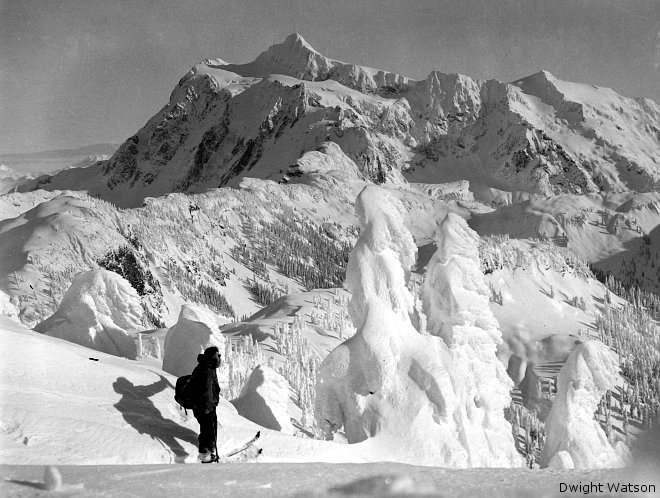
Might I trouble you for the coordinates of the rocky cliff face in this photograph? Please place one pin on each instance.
(227, 121)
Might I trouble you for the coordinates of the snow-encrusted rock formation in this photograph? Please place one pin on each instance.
(225, 121)
(98, 311)
(264, 399)
(196, 329)
(574, 438)
(425, 399)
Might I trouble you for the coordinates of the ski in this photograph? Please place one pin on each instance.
(236, 451)
(245, 446)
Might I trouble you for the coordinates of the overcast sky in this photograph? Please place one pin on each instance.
(79, 72)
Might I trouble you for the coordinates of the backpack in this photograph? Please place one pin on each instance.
(182, 394)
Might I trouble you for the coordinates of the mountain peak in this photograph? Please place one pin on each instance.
(295, 39)
(541, 76)
(293, 45)
(294, 57)
(546, 75)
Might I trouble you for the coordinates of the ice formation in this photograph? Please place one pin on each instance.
(426, 399)
(98, 311)
(196, 329)
(574, 438)
(263, 400)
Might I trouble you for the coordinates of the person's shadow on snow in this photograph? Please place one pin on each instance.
(140, 412)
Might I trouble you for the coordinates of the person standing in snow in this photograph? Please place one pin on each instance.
(206, 394)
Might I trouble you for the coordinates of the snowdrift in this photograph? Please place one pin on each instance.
(264, 400)
(196, 330)
(426, 399)
(575, 439)
(98, 311)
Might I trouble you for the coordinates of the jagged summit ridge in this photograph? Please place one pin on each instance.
(294, 57)
(298, 59)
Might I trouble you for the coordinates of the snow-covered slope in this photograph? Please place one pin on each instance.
(270, 118)
(76, 406)
(15, 203)
(167, 248)
(39, 246)
(45, 246)
(616, 232)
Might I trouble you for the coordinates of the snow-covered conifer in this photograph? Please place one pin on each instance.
(98, 311)
(397, 387)
(574, 439)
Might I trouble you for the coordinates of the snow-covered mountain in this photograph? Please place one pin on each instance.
(88, 161)
(293, 112)
(7, 172)
(10, 178)
(52, 161)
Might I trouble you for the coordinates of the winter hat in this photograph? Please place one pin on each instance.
(208, 357)
(210, 351)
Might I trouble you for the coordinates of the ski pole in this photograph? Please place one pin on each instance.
(215, 430)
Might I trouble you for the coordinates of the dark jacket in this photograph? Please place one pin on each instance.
(204, 382)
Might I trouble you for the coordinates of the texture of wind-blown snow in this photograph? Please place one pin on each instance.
(97, 311)
(196, 330)
(574, 438)
(416, 399)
